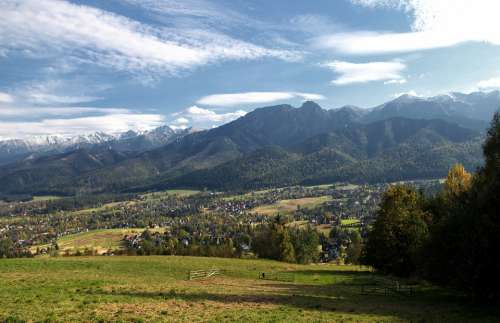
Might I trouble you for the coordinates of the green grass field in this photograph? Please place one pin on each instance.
(288, 206)
(149, 289)
(46, 198)
(349, 221)
(177, 192)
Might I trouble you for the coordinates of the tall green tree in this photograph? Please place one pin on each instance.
(395, 242)
(354, 248)
(305, 243)
(287, 253)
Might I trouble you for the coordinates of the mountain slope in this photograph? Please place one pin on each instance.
(388, 150)
(273, 146)
(55, 173)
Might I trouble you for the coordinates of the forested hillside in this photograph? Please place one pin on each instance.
(273, 146)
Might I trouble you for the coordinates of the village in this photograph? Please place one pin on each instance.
(200, 217)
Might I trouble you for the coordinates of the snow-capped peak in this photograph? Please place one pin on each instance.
(59, 143)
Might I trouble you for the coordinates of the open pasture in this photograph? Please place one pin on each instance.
(145, 289)
(98, 240)
(288, 206)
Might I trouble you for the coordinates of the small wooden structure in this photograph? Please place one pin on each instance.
(204, 273)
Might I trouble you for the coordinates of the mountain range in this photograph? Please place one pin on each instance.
(12, 150)
(406, 138)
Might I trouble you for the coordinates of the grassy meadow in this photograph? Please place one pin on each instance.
(98, 240)
(289, 206)
(176, 192)
(156, 289)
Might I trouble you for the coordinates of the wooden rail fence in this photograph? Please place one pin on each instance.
(387, 287)
(203, 273)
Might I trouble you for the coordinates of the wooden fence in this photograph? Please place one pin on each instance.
(387, 287)
(204, 273)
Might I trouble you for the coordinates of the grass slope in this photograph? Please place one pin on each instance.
(137, 289)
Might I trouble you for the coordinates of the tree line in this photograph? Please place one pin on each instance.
(275, 240)
(451, 238)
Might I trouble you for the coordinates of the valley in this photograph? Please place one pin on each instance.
(249, 161)
(99, 224)
(278, 208)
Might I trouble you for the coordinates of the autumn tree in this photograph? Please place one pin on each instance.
(457, 181)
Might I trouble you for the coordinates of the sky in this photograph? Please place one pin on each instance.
(72, 66)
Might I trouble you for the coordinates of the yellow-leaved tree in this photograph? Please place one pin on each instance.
(457, 181)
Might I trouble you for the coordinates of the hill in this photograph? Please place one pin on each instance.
(90, 289)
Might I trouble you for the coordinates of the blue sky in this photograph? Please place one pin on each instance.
(69, 67)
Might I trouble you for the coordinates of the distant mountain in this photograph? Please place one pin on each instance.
(473, 110)
(407, 138)
(389, 150)
(131, 141)
(15, 149)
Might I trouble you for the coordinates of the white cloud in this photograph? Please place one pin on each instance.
(6, 98)
(313, 24)
(436, 24)
(181, 121)
(20, 117)
(180, 124)
(196, 12)
(54, 92)
(350, 73)
(409, 93)
(233, 99)
(203, 118)
(46, 98)
(400, 81)
(113, 123)
(309, 96)
(489, 84)
(368, 43)
(59, 28)
(198, 114)
(26, 112)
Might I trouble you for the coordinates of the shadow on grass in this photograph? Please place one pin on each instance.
(328, 298)
(335, 276)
